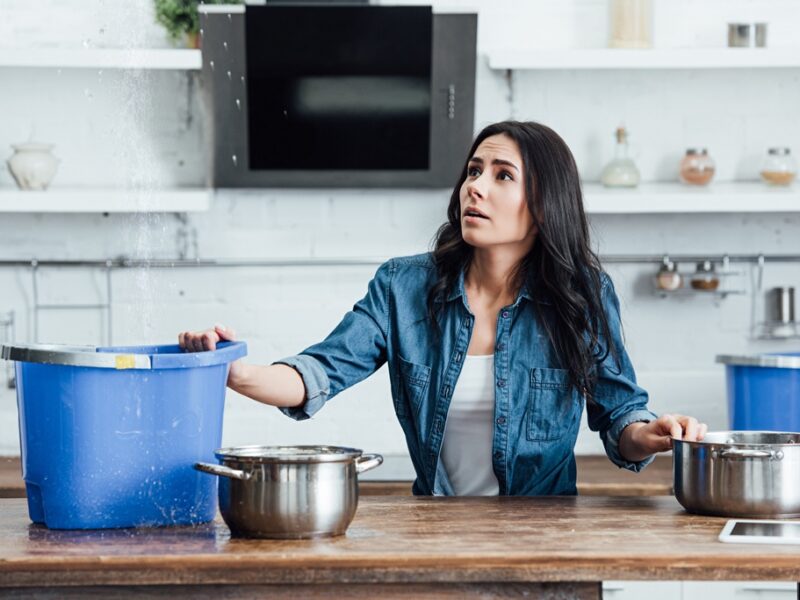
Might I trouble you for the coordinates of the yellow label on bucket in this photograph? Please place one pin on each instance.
(125, 361)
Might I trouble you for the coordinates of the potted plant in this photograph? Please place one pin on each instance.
(180, 18)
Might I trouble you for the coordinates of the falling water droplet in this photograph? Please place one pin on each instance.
(201, 31)
(225, 45)
(211, 64)
(235, 161)
(100, 73)
(242, 79)
(229, 75)
(86, 43)
(238, 104)
(88, 94)
(229, 16)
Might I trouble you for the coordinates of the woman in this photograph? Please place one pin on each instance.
(495, 340)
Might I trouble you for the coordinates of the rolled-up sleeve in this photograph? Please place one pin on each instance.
(618, 400)
(355, 349)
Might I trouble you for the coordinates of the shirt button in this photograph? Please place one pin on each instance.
(501, 383)
(501, 420)
(505, 314)
(498, 454)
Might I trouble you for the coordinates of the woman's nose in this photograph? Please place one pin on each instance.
(475, 188)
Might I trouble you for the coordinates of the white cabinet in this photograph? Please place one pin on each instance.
(637, 590)
(739, 590)
(699, 590)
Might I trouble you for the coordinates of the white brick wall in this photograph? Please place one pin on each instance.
(115, 128)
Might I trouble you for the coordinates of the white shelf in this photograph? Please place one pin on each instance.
(98, 200)
(101, 58)
(677, 58)
(654, 198)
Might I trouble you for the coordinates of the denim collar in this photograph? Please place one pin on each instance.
(459, 291)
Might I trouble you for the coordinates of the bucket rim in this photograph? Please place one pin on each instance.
(168, 356)
(779, 361)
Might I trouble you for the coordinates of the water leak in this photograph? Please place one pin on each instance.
(235, 162)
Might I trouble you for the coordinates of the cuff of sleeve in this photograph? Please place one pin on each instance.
(611, 440)
(316, 383)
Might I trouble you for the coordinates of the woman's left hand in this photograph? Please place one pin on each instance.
(645, 439)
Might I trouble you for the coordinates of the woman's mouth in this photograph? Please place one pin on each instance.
(473, 215)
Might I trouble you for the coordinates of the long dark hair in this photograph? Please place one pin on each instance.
(561, 272)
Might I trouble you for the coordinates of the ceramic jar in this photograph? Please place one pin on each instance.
(32, 165)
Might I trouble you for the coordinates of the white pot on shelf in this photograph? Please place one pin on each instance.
(32, 165)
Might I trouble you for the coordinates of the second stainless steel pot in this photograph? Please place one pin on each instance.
(289, 491)
(739, 474)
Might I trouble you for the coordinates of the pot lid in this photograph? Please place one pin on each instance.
(291, 454)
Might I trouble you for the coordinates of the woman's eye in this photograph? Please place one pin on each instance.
(473, 171)
(505, 176)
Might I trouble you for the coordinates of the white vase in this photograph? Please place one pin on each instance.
(32, 165)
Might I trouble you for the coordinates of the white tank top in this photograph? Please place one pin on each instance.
(469, 432)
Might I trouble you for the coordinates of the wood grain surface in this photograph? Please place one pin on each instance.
(406, 539)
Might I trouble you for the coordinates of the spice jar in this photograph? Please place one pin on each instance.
(705, 277)
(780, 167)
(668, 277)
(631, 24)
(696, 167)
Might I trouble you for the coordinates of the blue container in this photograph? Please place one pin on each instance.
(109, 436)
(763, 392)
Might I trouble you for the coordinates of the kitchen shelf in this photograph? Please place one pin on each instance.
(666, 58)
(101, 200)
(689, 291)
(657, 198)
(102, 58)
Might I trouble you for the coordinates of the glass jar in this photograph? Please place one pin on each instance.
(705, 277)
(779, 167)
(621, 171)
(631, 24)
(668, 278)
(697, 167)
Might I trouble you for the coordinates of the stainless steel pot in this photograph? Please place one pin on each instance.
(289, 491)
(739, 474)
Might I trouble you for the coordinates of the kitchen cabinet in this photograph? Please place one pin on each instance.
(749, 590)
(545, 547)
(637, 590)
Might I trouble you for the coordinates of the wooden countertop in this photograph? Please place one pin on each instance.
(597, 476)
(406, 539)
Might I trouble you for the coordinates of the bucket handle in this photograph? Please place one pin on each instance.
(222, 471)
(750, 453)
(365, 462)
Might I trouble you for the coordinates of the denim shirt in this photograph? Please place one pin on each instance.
(537, 413)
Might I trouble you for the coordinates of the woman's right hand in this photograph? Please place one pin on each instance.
(206, 341)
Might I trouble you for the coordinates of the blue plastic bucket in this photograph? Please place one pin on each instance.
(109, 436)
(763, 392)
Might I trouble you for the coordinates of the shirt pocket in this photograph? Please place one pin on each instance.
(552, 404)
(413, 383)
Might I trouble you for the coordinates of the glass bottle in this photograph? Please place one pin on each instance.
(705, 277)
(668, 277)
(631, 24)
(780, 167)
(697, 167)
(622, 171)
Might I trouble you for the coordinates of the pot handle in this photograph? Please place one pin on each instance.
(365, 462)
(751, 453)
(222, 471)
